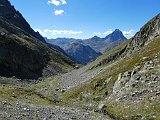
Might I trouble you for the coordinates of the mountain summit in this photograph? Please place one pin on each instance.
(96, 43)
(105, 44)
(115, 36)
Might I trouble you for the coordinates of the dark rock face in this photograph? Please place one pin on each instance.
(116, 35)
(8, 12)
(20, 61)
(23, 53)
(82, 54)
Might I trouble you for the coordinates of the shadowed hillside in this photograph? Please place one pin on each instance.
(23, 52)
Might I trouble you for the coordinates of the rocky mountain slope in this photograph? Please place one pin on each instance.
(13, 16)
(23, 52)
(122, 84)
(93, 46)
(98, 44)
(62, 42)
(82, 54)
(105, 44)
(125, 80)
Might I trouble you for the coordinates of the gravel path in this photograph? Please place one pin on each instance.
(15, 111)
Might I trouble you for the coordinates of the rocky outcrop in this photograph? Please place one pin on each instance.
(146, 33)
(139, 83)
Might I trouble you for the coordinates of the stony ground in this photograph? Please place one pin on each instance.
(139, 83)
(17, 111)
(79, 76)
(20, 111)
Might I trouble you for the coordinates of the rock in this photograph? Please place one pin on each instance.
(135, 70)
(76, 67)
(119, 76)
(134, 93)
(149, 65)
(86, 95)
(57, 89)
(158, 93)
(136, 76)
(96, 85)
(127, 74)
(63, 90)
(106, 93)
(101, 107)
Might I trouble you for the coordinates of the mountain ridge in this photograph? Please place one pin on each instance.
(23, 54)
(81, 53)
(9, 13)
(98, 44)
(125, 81)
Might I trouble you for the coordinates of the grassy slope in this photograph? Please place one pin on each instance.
(45, 91)
(106, 81)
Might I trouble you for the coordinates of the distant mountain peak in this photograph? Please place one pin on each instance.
(116, 35)
(95, 38)
(117, 30)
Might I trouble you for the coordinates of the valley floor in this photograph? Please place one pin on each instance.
(16, 111)
(20, 100)
(125, 88)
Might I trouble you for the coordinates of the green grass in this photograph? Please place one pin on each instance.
(43, 93)
(15, 94)
(135, 111)
(75, 94)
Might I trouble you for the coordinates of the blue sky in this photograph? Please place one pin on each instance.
(86, 18)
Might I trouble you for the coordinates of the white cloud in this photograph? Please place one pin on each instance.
(103, 33)
(129, 33)
(57, 2)
(57, 32)
(108, 32)
(97, 33)
(63, 2)
(58, 12)
(54, 2)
